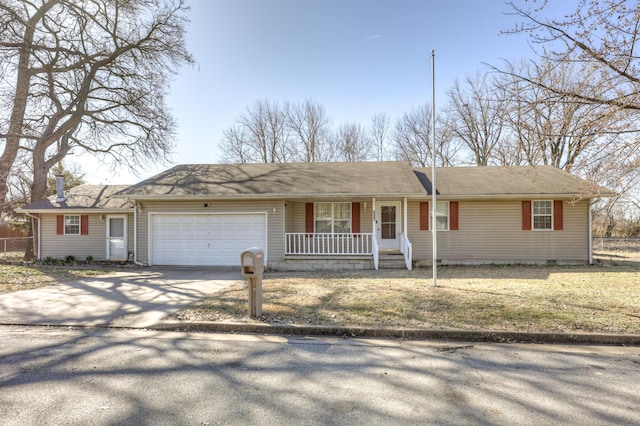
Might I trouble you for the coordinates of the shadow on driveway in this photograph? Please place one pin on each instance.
(135, 298)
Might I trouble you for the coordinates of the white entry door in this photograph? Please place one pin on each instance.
(117, 237)
(388, 225)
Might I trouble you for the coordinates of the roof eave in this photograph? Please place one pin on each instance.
(523, 196)
(267, 196)
(74, 210)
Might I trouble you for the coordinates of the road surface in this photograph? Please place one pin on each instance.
(106, 377)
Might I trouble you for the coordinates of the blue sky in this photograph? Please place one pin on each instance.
(356, 57)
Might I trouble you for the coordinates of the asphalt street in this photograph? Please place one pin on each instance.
(80, 376)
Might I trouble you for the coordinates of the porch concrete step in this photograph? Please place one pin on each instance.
(388, 264)
(391, 259)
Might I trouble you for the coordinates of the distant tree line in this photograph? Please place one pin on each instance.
(575, 108)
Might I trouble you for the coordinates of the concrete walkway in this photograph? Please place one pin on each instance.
(130, 298)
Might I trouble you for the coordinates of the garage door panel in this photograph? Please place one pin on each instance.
(205, 239)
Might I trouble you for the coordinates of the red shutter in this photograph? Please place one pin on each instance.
(453, 215)
(355, 218)
(526, 215)
(60, 224)
(424, 216)
(309, 219)
(84, 225)
(557, 215)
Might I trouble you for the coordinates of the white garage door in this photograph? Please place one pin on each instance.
(205, 239)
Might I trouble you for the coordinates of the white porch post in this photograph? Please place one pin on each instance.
(373, 215)
(406, 235)
(374, 235)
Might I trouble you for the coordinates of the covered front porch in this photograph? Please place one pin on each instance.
(361, 233)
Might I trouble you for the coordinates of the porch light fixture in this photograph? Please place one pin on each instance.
(274, 210)
(364, 206)
(139, 208)
(102, 218)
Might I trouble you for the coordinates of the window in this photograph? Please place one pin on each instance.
(543, 215)
(442, 215)
(332, 218)
(72, 225)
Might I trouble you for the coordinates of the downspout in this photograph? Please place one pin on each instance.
(39, 234)
(135, 237)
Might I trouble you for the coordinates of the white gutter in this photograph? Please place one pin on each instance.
(39, 233)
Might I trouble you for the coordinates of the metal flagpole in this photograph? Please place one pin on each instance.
(434, 231)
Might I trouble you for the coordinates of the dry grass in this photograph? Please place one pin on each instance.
(16, 277)
(519, 298)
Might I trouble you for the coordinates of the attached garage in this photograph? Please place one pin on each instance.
(205, 239)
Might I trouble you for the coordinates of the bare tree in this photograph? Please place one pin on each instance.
(260, 135)
(412, 135)
(380, 133)
(559, 130)
(412, 139)
(603, 35)
(235, 145)
(309, 125)
(476, 116)
(86, 76)
(352, 144)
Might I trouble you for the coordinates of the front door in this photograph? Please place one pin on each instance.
(388, 225)
(116, 237)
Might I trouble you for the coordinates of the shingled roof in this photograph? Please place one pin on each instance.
(84, 197)
(292, 180)
(508, 182)
(312, 180)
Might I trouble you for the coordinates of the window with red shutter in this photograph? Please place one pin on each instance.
(309, 218)
(424, 216)
(557, 215)
(526, 215)
(84, 224)
(355, 218)
(453, 215)
(60, 224)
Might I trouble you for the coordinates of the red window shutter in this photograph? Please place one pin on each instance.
(84, 224)
(526, 215)
(424, 216)
(355, 218)
(309, 219)
(557, 215)
(453, 215)
(60, 224)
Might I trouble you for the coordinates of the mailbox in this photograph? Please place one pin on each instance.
(252, 262)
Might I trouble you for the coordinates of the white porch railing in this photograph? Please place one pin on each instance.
(407, 250)
(302, 243)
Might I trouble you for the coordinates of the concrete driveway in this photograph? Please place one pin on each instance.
(130, 298)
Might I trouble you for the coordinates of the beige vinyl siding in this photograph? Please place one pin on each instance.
(296, 215)
(80, 246)
(275, 221)
(491, 231)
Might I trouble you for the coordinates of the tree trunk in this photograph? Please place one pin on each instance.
(23, 80)
(30, 249)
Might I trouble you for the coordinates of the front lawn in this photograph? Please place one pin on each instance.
(518, 298)
(16, 277)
